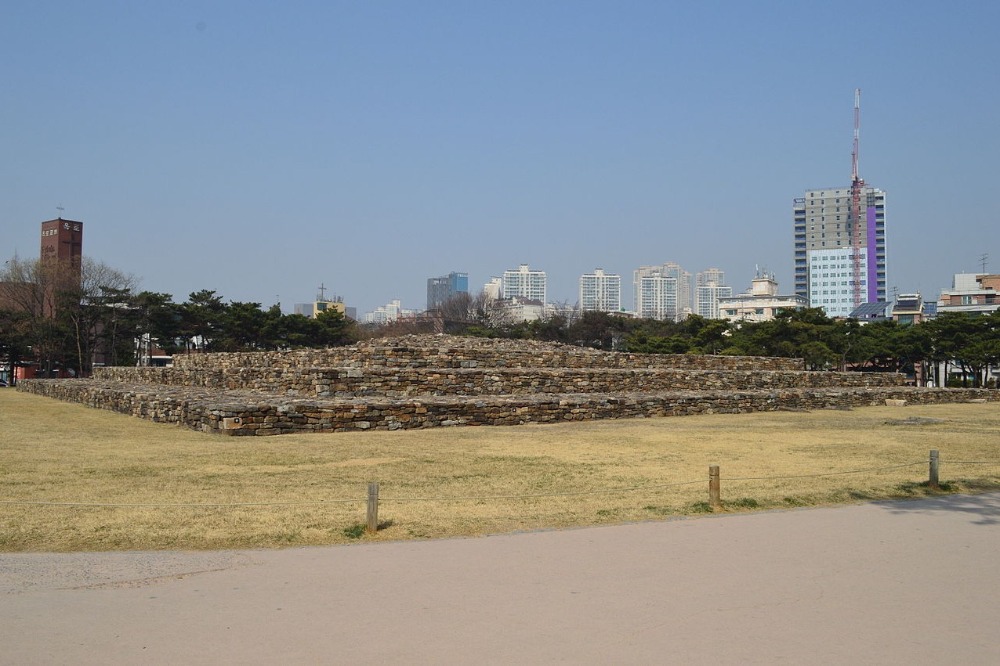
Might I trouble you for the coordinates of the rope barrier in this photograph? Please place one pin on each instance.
(178, 505)
(515, 497)
(473, 498)
(812, 476)
(360, 500)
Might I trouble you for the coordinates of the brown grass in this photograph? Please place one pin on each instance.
(450, 481)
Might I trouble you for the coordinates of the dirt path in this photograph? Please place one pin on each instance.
(892, 582)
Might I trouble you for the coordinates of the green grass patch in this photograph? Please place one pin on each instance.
(355, 531)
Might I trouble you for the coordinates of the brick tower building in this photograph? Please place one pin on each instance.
(62, 241)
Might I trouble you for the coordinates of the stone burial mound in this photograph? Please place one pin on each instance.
(422, 381)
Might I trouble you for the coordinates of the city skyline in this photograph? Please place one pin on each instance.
(262, 151)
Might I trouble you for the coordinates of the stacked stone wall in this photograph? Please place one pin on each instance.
(427, 381)
(243, 414)
(409, 381)
(441, 351)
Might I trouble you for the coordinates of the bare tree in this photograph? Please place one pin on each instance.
(488, 312)
(405, 326)
(94, 309)
(63, 304)
(455, 308)
(30, 286)
(32, 289)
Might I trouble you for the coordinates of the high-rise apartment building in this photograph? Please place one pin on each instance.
(824, 255)
(710, 286)
(662, 292)
(600, 291)
(440, 289)
(684, 291)
(525, 283)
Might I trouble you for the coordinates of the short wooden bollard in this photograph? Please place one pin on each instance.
(372, 526)
(713, 488)
(932, 481)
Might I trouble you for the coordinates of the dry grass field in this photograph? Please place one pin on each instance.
(74, 478)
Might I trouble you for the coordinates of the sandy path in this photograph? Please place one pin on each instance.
(889, 582)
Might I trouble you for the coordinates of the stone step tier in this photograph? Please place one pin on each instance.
(397, 382)
(250, 413)
(445, 351)
(436, 380)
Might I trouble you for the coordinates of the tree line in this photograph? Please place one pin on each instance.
(959, 344)
(63, 318)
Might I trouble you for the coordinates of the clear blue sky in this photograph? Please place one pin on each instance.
(260, 149)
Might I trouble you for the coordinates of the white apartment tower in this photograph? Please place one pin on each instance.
(662, 292)
(494, 288)
(524, 283)
(387, 313)
(600, 292)
(824, 256)
(710, 286)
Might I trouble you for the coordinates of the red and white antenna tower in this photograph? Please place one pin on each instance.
(857, 185)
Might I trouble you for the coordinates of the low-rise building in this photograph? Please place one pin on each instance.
(525, 309)
(323, 304)
(311, 310)
(972, 293)
(761, 303)
(869, 312)
(910, 309)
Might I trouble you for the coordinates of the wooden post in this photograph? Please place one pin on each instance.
(372, 526)
(932, 481)
(713, 488)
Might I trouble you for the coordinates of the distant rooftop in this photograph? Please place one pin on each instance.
(874, 310)
(908, 302)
